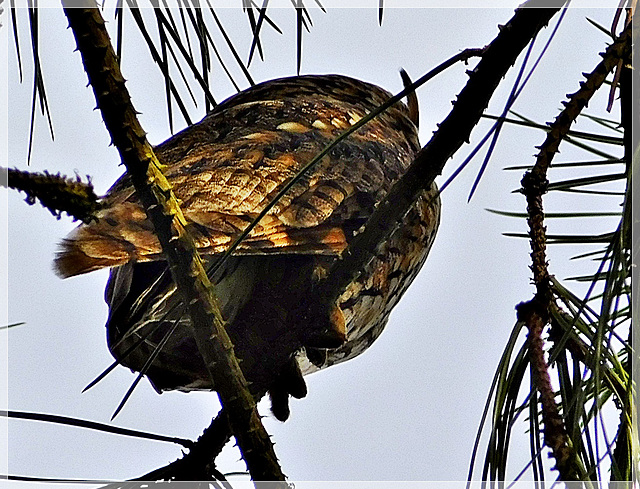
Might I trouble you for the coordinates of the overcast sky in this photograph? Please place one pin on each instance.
(408, 408)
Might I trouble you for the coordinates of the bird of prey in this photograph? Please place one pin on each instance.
(225, 170)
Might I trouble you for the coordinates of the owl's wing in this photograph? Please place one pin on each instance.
(229, 166)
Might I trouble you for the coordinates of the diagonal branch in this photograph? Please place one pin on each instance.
(155, 194)
(534, 183)
(199, 460)
(536, 312)
(499, 56)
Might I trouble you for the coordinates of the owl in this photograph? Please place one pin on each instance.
(225, 170)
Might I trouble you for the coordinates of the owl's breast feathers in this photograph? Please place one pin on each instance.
(225, 170)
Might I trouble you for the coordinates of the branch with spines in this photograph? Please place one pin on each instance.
(536, 313)
(156, 196)
(452, 133)
(56, 193)
(513, 38)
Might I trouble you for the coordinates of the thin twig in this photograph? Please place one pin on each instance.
(92, 425)
(409, 89)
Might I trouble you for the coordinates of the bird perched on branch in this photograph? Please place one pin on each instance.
(225, 170)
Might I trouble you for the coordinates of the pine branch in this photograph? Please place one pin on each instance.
(198, 463)
(499, 56)
(156, 195)
(57, 193)
(623, 466)
(537, 312)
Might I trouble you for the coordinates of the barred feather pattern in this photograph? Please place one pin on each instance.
(225, 170)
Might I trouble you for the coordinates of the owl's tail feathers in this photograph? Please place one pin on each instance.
(78, 256)
(121, 234)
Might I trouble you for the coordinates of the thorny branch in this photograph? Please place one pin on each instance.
(498, 57)
(57, 193)
(536, 312)
(198, 463)
(200, 460)
(453, 132)
(155, 194)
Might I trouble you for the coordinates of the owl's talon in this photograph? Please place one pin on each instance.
(279, 403)
(289, 383)
(292, 379)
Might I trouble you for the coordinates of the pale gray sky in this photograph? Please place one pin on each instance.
(408, 408)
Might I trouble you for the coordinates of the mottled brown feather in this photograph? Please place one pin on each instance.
(225, 170)
(229, 166)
